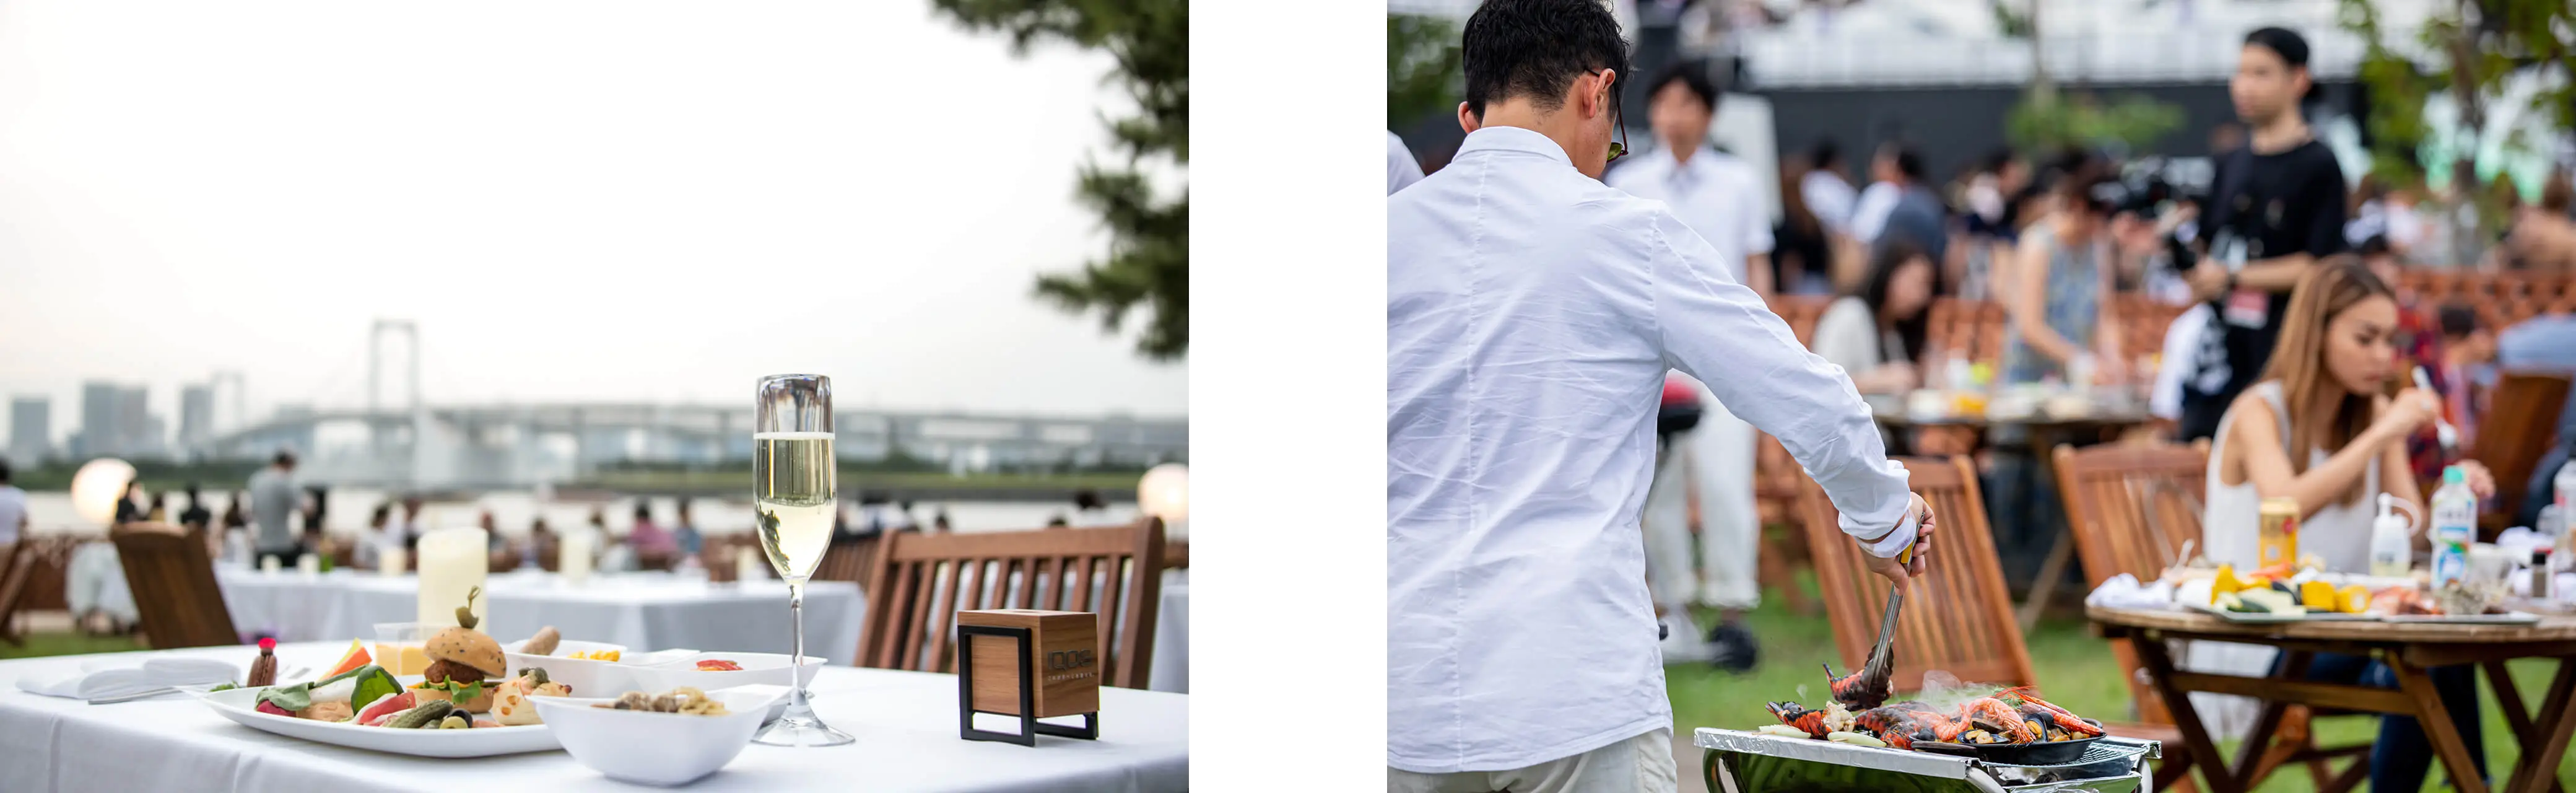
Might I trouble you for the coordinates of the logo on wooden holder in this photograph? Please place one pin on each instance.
(1031, 664)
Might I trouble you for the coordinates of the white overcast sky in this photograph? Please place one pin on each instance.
(630, 201)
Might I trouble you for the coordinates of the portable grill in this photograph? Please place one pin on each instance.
(1753, 762)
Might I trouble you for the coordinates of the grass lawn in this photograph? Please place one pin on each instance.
(73, 643)
(2075, 669)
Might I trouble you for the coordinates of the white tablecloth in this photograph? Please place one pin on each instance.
(644, 611)
(905, 722)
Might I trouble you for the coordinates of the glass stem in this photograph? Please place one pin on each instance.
(796, 663)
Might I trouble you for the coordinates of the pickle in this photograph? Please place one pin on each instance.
(426, 715)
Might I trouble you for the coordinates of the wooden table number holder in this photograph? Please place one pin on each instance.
(1031, 664)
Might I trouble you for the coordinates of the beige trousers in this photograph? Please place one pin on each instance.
(1643, 764)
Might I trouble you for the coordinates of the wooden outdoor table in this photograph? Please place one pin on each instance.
(2407, 648)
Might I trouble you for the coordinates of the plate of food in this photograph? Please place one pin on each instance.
(460, 708)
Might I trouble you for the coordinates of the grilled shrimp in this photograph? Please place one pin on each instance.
(2048, 715)
(1998, 718)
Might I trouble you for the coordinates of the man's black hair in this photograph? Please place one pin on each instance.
(1535, 48)
(643, 511)
(2281, 41)
(1088, 498)
(2377, 245)
(2458, 321)
(1995, 161)
(4, 472)
(1691, 74)
(1824, 155)
(284, 457)
(1907, 162)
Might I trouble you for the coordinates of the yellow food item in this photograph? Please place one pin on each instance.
(2318, 596)
(404, 659)
(602, 655)
(2354, 599)
(2225, 583)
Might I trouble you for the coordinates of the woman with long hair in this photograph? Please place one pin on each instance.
(2316, 429)
(1876, 332)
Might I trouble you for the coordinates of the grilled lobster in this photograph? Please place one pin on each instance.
(1856, 690)
(1796, 715)
(1903, 723)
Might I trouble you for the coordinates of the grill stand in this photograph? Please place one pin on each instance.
(1750, 762)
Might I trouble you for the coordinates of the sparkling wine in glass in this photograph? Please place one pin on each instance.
(793, 475)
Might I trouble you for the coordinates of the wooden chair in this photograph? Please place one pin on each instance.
(922, 580)
(174, 587)
(17, 564)
(2521, 420)
(2134, 510)
(1972, 632)
(848, 561)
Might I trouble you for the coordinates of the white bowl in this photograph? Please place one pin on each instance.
(585, 676)
(655, 748)
(760, 668)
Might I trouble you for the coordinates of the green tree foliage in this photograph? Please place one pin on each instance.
(2043, 122)
(1423, 74)
(1149, 248)
(2469, 49)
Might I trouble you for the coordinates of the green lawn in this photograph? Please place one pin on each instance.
(44, 644)
(2075, 669)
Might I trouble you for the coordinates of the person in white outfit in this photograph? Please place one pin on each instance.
(1532, 313)
(1717, 196)
(1401, 168)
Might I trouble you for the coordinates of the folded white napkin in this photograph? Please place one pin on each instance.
(104, 679)
(2123, 591)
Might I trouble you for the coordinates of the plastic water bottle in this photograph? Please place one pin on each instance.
(2392, 538)
(2455, 525)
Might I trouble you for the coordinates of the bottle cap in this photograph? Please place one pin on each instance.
(2452, 475)
(266, 644)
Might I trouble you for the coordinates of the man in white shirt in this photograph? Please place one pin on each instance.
(1401, 168)
(1531, 315)
(13, 510)
(1715, 195)
(1828, 194)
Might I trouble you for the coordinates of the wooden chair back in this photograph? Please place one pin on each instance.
(2521, 420)
(846, 561)
(1959, 619)
(174, 587)
(2134, 510)
(922, 580)
(17, 564)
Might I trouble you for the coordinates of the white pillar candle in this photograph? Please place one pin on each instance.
(749, 564)
(309, 564)
(390, 562)
(268, 564)
(452, 562)
(572, 555)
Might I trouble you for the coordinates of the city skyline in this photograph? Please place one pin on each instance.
(701, 200)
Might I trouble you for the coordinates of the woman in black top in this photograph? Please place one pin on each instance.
(1801, 257)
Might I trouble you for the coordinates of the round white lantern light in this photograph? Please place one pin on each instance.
(97, 486)
(1165, 492)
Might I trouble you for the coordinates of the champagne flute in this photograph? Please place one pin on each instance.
(793, 476)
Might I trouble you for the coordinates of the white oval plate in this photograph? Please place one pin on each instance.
(241, 706)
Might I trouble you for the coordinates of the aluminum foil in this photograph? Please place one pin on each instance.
(1743, 762)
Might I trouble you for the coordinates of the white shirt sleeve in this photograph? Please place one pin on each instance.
(1870, 216)
(1401, 168)
(1717, 330)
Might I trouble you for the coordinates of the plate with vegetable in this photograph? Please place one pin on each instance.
(369, 708)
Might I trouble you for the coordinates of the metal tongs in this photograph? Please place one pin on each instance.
(1876, 673)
